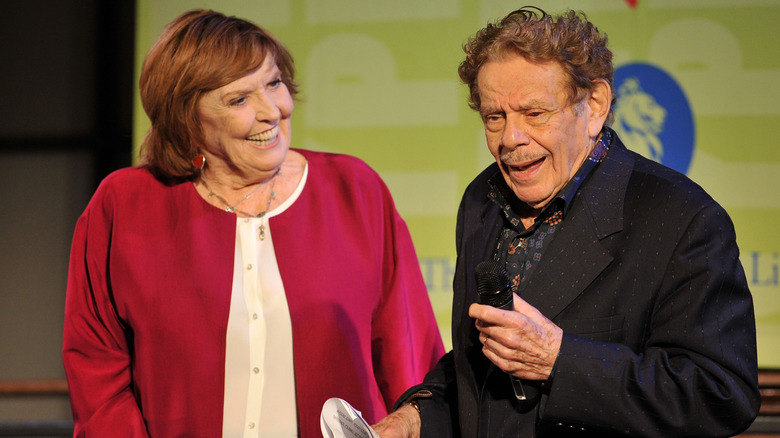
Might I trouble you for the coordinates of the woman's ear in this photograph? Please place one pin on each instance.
(599, 104)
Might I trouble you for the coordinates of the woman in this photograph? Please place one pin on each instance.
(231, 285)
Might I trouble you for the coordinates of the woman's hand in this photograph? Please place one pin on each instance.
(403, 423)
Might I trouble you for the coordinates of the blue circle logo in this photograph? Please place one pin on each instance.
(653, 116)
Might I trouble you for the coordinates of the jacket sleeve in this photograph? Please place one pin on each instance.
(696, 372)
(96, 354)
(406, 342)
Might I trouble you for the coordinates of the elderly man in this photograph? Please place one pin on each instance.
(632, 315)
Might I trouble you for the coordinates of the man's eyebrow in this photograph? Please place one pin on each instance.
(531, 104)
(490, 109)
(534, 103)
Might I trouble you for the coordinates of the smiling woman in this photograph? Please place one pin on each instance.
(230, 285)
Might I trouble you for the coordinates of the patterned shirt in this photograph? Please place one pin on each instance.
(521, 248)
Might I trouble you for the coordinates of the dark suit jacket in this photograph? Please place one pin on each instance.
(644, 278)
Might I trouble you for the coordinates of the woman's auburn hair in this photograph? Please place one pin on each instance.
(568, 39)
(199, 51)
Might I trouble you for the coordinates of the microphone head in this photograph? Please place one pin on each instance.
(493, 284)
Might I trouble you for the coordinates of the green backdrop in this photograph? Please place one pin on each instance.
(379, 82)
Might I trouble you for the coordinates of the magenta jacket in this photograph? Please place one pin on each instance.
(149, 290)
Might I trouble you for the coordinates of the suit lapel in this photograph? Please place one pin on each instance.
(478, 251)
(576, 256)
(573, 260)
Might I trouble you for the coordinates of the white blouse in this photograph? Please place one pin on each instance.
(259, 373)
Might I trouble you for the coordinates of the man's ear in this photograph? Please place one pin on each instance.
(599, 104)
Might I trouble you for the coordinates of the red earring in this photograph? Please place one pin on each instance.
(199, 161)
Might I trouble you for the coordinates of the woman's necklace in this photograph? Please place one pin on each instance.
(230, 208)
(234, 208)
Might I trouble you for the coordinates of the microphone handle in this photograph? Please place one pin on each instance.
(517, 384)
(509, 305)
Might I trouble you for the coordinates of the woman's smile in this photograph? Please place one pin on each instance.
(266, 138)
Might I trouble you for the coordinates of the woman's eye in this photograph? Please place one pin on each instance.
(275, 83)
(238, 101)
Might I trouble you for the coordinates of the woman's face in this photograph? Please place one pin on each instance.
(246, 123)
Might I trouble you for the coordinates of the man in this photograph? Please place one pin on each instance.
(632, 315)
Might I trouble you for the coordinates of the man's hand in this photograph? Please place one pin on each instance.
(403, 423)
(523, 342)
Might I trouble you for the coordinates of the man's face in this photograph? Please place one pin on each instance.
(538, 137)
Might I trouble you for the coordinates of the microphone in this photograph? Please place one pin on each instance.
(493, 289)
(493, 285)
